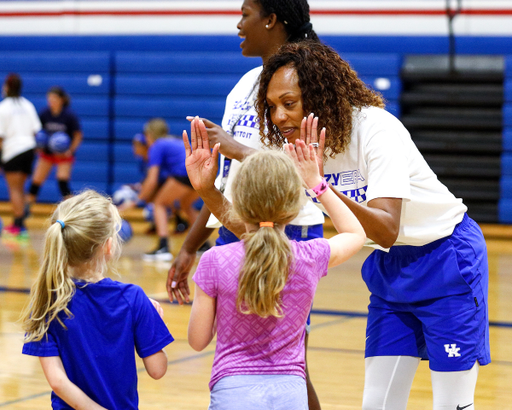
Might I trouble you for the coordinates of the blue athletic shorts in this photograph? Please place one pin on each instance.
(259, 392)
(450, 330)
(294, 232)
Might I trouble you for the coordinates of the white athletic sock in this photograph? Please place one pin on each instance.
(455, 390)
(388, 381)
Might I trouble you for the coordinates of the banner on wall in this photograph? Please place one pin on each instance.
(329, 17)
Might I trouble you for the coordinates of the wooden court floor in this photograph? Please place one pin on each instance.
(335, 355)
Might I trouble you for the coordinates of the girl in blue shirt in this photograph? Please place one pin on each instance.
(84, 327)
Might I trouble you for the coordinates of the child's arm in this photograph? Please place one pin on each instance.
(351, 235)
(156, 364)
(201, 326)
(63, 387)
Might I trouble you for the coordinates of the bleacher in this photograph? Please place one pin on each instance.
(86, 77)
(171, 85)
(505, 204)
(116, 88)
(114, 93)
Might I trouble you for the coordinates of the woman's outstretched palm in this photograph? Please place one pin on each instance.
(201, 164)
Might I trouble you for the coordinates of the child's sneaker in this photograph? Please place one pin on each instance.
(161, 254)
(204, 248)
(19, 232)
(181, 224)
(26, 211)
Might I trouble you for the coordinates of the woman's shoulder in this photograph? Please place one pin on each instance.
(5, 102)
(45, 112)
(374, 115)
(373, 121)
(252, 75)
(247, 82)
(68, 111)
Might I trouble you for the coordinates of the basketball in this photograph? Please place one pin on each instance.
(41, 139)
(124, 196)
(59, 142)
(126, 231)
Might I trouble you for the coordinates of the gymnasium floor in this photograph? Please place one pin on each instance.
(335, 355)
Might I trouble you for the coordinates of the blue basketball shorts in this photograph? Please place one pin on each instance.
(294, 232)
(450, 330)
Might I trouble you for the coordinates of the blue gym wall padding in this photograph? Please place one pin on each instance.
(117, 83)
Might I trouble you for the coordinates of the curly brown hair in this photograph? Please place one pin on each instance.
(330, 89)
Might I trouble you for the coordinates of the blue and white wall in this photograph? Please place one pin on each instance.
(219, 17)
(124, 62)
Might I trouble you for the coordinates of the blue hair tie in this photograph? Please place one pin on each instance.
(62, 224)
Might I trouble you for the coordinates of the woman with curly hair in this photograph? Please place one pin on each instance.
(428, 274)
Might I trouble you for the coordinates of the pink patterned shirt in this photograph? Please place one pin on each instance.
(249, 344)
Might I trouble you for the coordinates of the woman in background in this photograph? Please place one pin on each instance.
(18, 125)
(57, 117)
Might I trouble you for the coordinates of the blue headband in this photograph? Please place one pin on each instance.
(62, 224)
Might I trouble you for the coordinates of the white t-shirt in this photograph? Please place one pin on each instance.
(382, 161)
(240, 111)
(18, 124)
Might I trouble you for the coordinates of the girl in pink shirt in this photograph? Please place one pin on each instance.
(257, 293)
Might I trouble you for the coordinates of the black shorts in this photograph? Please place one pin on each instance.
(183, 180)
(20, 163)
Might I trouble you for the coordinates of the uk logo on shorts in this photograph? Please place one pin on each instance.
(452, 350)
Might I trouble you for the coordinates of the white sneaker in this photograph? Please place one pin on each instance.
(161, 254)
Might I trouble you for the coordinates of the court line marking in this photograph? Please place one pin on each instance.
(211, 352)
(14, 290)
(362, 314)
(313, 311)
(139, 370)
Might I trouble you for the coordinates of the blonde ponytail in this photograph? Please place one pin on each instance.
(274, 196)
(80, 227)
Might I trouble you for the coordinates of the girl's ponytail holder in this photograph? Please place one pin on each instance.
(62, 224)
(266, 224)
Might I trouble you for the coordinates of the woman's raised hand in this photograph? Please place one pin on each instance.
(201, 164)
(309, 134)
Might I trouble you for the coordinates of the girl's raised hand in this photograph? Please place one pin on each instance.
(201, 164)
(305, 159)
(309, 134)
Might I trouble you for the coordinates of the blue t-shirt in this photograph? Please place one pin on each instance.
(66, 122)
(110, 321)
(169, 155)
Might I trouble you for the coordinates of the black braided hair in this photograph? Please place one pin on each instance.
(13, 84)
(294, 14)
